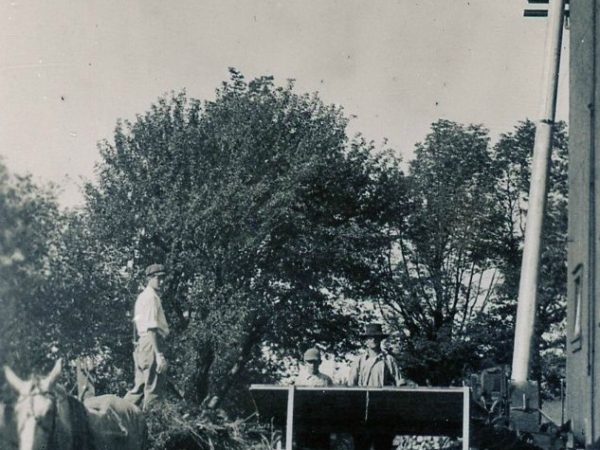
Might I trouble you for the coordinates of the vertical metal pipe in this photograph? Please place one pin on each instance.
(289, 427)
(466, 428)
(527, 301)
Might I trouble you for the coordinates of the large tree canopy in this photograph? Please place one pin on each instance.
(513, 153)
(440, 270)
(276, 228)
(280, 232)
(264, 212)
(451, 283)
(29, 226)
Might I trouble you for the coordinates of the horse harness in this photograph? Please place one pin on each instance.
(38, 419)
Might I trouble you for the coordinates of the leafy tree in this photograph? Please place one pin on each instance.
(90, 293)
(29, 220)
(451, 283)
(264, 212)
(513, 154)
(441, 269)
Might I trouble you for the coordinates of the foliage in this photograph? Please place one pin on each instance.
(441, 270)
(513, 158)
(264, 212)
(451, 283)
(29, 226)
(91, 302)
(277, 229)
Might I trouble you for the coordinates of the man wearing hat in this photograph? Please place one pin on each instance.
(374, 368)
(311, 375)
(151, 326)
(306, 438)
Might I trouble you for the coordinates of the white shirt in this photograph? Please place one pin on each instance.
(149, 314)
(313, 379)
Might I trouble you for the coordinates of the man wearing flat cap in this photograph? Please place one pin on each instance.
(307, 438)
(312, 376)
(152, 328)
(374, 368)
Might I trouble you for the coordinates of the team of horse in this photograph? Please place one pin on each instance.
(46, 417)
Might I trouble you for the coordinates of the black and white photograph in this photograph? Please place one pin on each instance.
(299, 225)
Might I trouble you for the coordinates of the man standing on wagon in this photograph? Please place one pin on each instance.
(152, 328)
(374, 368)
(312, 376)
(306, 438)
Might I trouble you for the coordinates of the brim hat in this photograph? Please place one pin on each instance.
(312, 355)
(374, 330)
(155, 269)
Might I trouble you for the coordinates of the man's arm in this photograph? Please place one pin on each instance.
(161, 362)
(394, 369)
(354, 372)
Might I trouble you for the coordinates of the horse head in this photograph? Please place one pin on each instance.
(36, 408)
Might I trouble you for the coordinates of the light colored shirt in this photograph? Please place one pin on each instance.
(149, 313)
(375, 371)
(309, 379)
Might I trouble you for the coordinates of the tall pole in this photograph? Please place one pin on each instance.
(527, 301)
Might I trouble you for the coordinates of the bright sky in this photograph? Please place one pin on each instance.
(70, 68)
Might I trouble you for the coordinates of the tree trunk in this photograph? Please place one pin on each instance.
(252, 338)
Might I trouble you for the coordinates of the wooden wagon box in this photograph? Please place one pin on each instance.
(410, 411)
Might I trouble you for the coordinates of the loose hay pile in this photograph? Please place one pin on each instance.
(174, 426)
